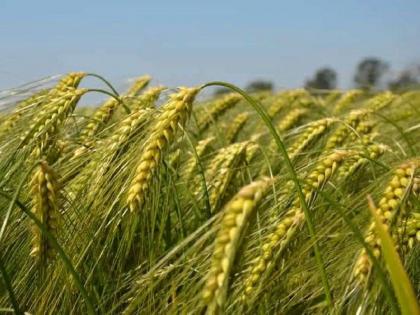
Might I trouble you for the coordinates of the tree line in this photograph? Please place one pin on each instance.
(369, 75)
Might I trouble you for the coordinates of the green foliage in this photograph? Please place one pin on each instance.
(259, 86)
(325, 79)
(369, 72)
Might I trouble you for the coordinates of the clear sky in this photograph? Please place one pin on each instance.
(191, 42)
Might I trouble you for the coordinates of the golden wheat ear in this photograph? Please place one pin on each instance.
(292, 220)
(175, 112)
(394, 194)
(236, 215)
(45, 193)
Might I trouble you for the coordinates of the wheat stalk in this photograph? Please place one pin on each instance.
(408, 232)
(71, 80)
(236, 215)
(281, 101)
(392, 197)
(332, 97)
(175, 112)
(139, 84)
(312, 131)
(201, 149)
(126, 128)
(350, 166)
(291, 119)
(226, 171)
(352, 120)
(218, 108)
(253, 147)
(51, 118)
(147, 99)
(45, 194)
(347, 99)
(380, 101)
(23, 106)
(236, 126)
(104, 113)
(290, 223)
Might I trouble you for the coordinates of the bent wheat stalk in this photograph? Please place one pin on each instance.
(201, 149)
(226, 171)
(235, 128)
(291, 119)
(408, 232)
(347, 99)
(234, 222)
(341, 133)
(393, 195)
(175, 112)
(55, 112)
(104, 113)
(294, 219)
(313, 131)
(217, 109)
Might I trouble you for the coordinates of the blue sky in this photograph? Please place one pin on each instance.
(191, 42)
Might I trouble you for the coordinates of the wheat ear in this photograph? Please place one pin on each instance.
(235, 128)
(347, 99)
(408, 232)
(236, 215)
(286, 229)
(218, 108)
(104, 113)
(392, 197)
(313, 131)
(175, 112)
(55, 112)
(45, 194)
(291, 119)
(341, 133)
(201, 149)
(226, 170)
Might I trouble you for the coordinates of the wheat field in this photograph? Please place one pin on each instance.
(162, 201)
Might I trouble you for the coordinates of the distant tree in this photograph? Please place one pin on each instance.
(260, 85)
(221, 91)
(369, 72)
(407, 79)
(324, 78)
